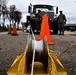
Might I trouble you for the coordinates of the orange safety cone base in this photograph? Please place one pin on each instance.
(50, 43)
(22, 29)
(9, 33)
(9, 30)
(14, 34)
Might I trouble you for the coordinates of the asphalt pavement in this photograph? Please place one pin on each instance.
(12, 46)
(65, 32)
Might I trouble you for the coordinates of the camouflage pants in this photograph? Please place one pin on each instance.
(61, 27)
(37, 25)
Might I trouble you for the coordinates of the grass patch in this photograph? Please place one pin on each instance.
(3, 29)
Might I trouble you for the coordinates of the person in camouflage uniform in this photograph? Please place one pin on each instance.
(38, 20)
(61, 22)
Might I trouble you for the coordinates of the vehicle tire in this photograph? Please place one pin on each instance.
(55, 31)
(55, 27)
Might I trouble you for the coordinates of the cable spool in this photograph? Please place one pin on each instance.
(41, 54)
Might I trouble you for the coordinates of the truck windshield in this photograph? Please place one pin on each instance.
(45, 8)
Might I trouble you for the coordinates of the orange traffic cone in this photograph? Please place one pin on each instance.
(9, 30)
(22, 29)
(14, 30)
(45, 30)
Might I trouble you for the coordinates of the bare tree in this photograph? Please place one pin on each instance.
(3, 10)
(4, 2)
(0, 12)
(11, 13)
(17, 17)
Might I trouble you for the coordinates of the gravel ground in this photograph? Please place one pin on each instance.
(12, 46)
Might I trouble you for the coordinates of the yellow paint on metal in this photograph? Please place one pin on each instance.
(54, 66)
(38, 68)
(18, 66)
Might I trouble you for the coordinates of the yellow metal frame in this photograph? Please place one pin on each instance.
(54, 65)
(19, 65)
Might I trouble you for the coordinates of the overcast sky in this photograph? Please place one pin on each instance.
(68, 6)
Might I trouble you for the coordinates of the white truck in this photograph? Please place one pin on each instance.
(52, 12)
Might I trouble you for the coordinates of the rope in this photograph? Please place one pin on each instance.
(69, 47)
(33, 52)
